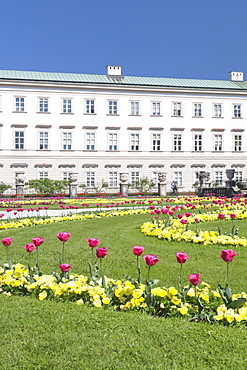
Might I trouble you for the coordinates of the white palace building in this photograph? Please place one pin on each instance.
(98, 126)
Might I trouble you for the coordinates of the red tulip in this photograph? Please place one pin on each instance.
(183, 221)
(233, 215)
(65, 267)
(138, 249)
(6, 241)
(63, 236)
(101, 252)
(221, 216)
(194, 279)
(93, 242)
(187, 214)
(228, 255)
(181, 257)
(37, 241)
(150, 259)
(29, 247)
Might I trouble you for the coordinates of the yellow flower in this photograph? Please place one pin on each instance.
(183, 310)
(42, 295)
(106, 300)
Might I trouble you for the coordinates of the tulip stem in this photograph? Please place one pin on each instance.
(37, 255)
(180, 278)
(7, 253)
(63, 253)
(227, 273)
(138, 270)
(101, 269)
(148, 274)
(92, 256)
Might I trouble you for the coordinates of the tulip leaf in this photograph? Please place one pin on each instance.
(237, 303)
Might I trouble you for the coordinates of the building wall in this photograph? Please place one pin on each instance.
(101, 160)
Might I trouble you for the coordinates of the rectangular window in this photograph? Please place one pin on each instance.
(134, 141)
(197, 142)
(67, 106)
(197, 112)
(43, 175)
(43, 105)
(90, 179)
(112, 141)
(112, 107)
(135, 177)
(218, 177)
(90, 106)
(176, 110)
(19, 104)
(43, 140)
(156, 109)
(238, 176)
(155, 177)
(155, 142)
(218, 141)
(134, 108)
(217, 110)
(177, 142)
(67, 141)
(178, 177)
(19, 139)
(90, 141)
(65, 176)
(112, 179)
(237, 112)
(237, 143)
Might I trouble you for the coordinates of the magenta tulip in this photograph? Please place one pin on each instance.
(63, 236)
(194, 279)
(150, 259)
(138, 250)
(29, 247)
(228, 255)
(233, 215)
(65, 267)
(181, 257)
(93, 242)
(101, 252)
(6, 241)
(221, 216)
(37, 241)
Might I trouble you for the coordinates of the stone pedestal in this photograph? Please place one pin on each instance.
(162, 189)
(124, 189)
(73, 185)
(19, 183)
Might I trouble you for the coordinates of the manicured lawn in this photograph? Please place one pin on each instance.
(53, 335)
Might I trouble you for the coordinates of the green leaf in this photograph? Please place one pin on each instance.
(236, 304)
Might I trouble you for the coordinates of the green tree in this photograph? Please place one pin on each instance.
(144, 184)
(48, 186)
(4, 187)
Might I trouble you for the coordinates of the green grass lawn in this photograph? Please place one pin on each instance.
(54, 335)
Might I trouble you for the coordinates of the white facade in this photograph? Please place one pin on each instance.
(100, 126)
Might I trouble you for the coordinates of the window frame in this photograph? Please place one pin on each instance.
(113, 179)
(112, 143)
(175, 111)
(112, 109)
(135, 108)
(154, 111)
(197, 142)
(197, 110)
(218, 143)
(177, 142)
(135, 139)
(42, 108)
(178, 177)
(90, 179)
(39, 139)
(21, 105)
(24, 139)
(67, 132)
(90, 141)
(67, 108)
(216, 110)
(90, 106)
(237, 142)
(237, 111)
(155, 142)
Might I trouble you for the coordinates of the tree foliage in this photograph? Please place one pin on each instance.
(4, 187)
(48, 186)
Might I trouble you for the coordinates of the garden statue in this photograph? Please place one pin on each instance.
(72, 185)
(124, 183)
(19, 183)
(162, 184)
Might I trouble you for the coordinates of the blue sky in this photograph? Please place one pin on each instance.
(163, 38)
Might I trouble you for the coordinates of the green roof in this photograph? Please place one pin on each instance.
(120, 80)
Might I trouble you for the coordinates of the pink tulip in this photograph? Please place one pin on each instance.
(196, 219)
(63, 236)
(183, 221)
(181, 257)
(138, 249)
(150, 259)
(221, 216)
(29, 247)
(93, 242)
(171, 213)
(194, 279)
(65, 267)
(228, 255)
(101, 252)
(233, 215)
(6, 241)
(37, 241)
(187, 214)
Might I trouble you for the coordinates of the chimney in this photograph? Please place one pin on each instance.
(236, 76)
(114, 70)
